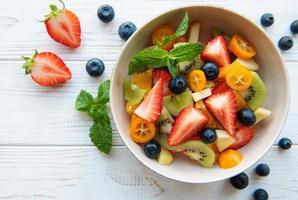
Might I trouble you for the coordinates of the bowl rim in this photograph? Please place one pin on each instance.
(276, 51)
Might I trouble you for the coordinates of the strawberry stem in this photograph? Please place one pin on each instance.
(54, 11)
(29, 62)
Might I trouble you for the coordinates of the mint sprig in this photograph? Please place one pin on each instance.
(101, 130)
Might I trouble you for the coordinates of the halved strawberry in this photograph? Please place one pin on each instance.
(151, 107)
(242, 136)
(221, 87)
(46, 69)
(165, 76)
(223, 106)
(217, 51)
(188, 123)
(63, 26)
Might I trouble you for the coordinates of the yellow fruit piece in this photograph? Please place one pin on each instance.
(214, 149)
(223, 71)
(212, 123)
(229, 158)
(130, 109)
(196, 80)
(239, 78)
(165, 157)
(143, 79)
(241, 103)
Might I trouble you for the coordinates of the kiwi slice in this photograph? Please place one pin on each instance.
(256, 93)
(194, 149)
(133, 93)
(165, 121)
(175, 103)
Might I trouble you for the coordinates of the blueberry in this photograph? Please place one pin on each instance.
(285, 43)
(177, 84)
(267, 19)
(294, 27)
(152, 149)
(106, 13)
(239, 181)
(95, 67)
(126, 29)
(262, 169)
(246, 117)
(285, 143)
(208, 135)
(210, 70)
(260, 194)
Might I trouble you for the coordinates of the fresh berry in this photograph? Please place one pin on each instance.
(63, 26)
(188, 123)
(223, 106)
(267, 19)
(239, 181)
(221, 87)
(217, 51)
(246, 117)
(260, 194)
(262, 169)
(285, 143)
(294, 27)
(208, 135)
(242, 137)
(106, 13)
(95, 67)
(46, 69)
(210, 70)
(285, 43)
(151, 107)
(165, 76)
(152, 149)
(126, 29)
(178, 84)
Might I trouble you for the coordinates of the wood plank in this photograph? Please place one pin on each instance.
(34, 115)
(82, 173)
(20, 33)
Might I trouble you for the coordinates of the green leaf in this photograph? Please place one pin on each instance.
(186, 52)
(101, 132)
(103, 93)
(157, 57)
(135, 66)
(181, 30)
(84, 101)
(172, 67)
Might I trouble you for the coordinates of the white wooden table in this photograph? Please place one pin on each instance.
(45, 150)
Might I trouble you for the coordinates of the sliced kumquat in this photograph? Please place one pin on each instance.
(196, 80)
(160, 33)
(229, 158)
(239, 78)
(141, 131)
(242, 48)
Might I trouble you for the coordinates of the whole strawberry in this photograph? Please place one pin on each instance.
(63, 26)
(46, 69)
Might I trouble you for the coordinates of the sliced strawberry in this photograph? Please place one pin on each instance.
(223, 106)
(63, 26)
(221, 87)
(46, 69)
(188, 123)
(151, 107)
(165, 76)
(217, 51)
(242, 136)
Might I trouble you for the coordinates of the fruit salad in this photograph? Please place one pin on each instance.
(201, 100)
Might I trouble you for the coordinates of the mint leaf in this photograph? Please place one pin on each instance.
(103, 93)
(157, 57)
(181, 30)
(135, 66)
(101, 132)
(186, 52)
(172, 67)
(84, 101)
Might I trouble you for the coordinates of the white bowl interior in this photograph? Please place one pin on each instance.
(272, 72)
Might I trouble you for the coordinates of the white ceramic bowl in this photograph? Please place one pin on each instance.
(272, 71)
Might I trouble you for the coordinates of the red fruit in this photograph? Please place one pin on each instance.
(195, 137)
(242, 136)
(63, 26)
(223, 106)
(151, 107)
(217, 51)
(188, 123)
(46, 69)
(221, 87)
(165, 76)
